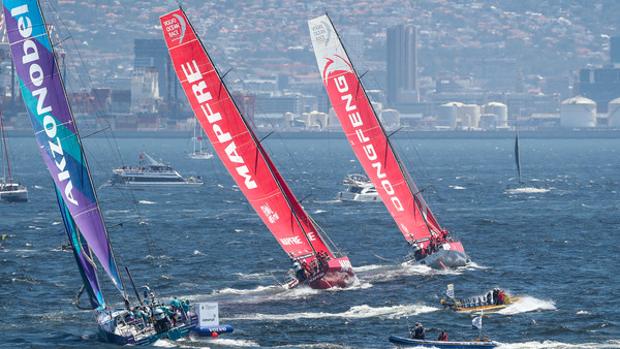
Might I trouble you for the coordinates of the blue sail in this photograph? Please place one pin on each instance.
(83, 256)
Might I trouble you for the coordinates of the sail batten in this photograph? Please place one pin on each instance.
(368, 138)
(236, 145)
(54, 126)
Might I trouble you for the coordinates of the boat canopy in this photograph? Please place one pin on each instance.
(54, 127)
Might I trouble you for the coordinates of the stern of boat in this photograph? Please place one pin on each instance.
(451, 255)
(339, 273)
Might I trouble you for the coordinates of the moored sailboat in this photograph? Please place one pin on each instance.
(432, 245)
(61, 148)
(10, 190)
(318, 264)
(198, 151)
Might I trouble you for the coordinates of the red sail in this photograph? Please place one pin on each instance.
(236, 144)
(367, 137)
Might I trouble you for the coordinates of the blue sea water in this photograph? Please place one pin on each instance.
(554, 240)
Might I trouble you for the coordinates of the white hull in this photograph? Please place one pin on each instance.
(19, 195)
(200, 156)
(158, 184)
(348, 196)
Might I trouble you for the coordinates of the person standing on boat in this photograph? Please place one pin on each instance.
(418, 331)
(490, 300)
(501, 297)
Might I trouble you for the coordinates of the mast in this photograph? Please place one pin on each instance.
(84, 159)
(236, 144)
(408, 180)
(55, 128)
(7, 177)
(259, 146)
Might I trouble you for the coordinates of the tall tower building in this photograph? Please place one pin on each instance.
(152, 54)
(614, 50)
(402, 64)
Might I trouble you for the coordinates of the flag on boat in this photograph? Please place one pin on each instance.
(477, 322)
(450, 291)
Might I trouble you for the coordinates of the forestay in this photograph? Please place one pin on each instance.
(236, 144)
(54, 126)
(367, 137)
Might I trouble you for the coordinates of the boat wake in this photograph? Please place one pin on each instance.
(527, 190)
(146, 202)
(225, 342)
(528, 304)
(388, 272)
(333, 201)
(560, 345)
(356, 312)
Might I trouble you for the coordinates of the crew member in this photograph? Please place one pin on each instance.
(501, 297)
(300, 273)
(418, 331)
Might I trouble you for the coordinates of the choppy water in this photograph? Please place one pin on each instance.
(556, 242)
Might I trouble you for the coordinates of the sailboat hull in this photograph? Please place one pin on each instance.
(451, 255)
(339, 274)
(20, 195)
(108, 332)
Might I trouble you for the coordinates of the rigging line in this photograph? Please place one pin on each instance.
(259, 146)
(83, 158)
(111, 140)
(402, 167)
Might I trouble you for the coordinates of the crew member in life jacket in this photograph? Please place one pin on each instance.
(300, 271)
(418, 331)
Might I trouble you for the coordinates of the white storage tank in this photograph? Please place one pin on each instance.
(316, 120)
(469, 115)
(578, 112)
(390, 118)
(447, 114)
(500, 110)
(613, 113)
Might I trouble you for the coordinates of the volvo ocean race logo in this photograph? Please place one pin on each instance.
(271, 215)
(175, 27)
(321, 33)
(43, 111)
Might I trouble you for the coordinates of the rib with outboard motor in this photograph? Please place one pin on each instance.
(243, 155)
(371, 144)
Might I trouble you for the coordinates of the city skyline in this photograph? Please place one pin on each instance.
(281, 79)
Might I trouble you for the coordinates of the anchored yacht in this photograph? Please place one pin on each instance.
(151, 172)
(358, 188)
(10, 190)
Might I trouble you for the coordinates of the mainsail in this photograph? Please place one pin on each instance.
(54, 126)
(367, 137)
(518, 156)
(237, 145)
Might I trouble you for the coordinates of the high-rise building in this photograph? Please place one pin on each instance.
(153, 54)
(602, 84)
(614, 50)
(402, 63)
